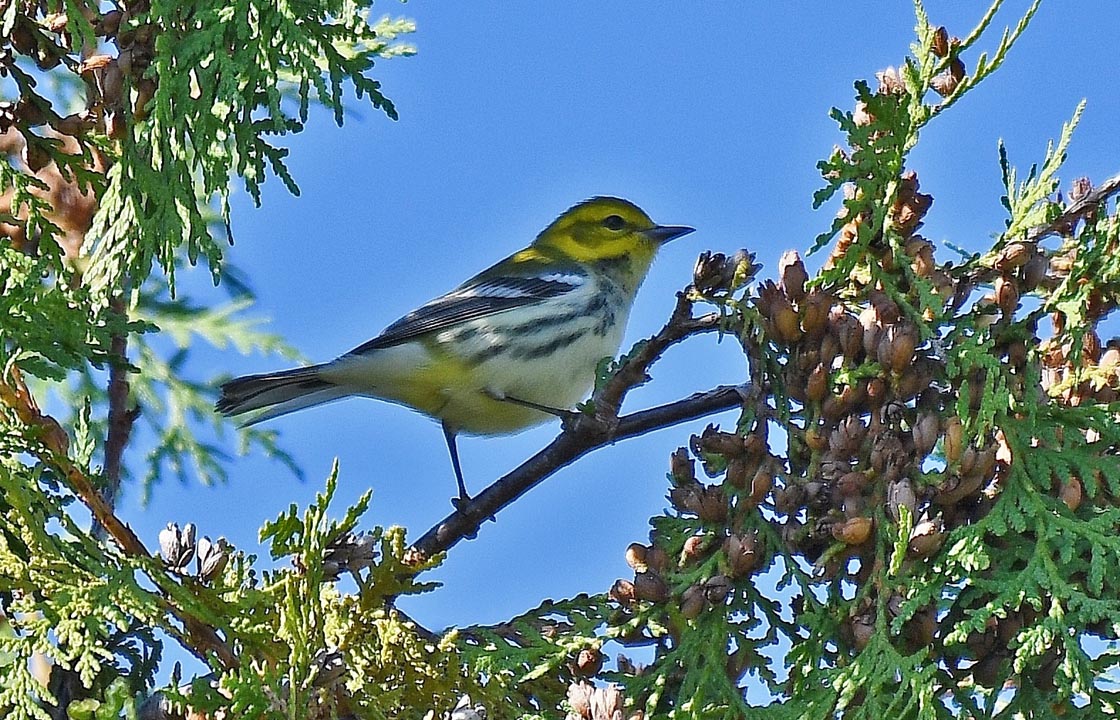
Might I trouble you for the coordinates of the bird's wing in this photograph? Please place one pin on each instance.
(479, 297)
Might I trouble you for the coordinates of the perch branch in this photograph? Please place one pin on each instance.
(569, 446)
(591, 431)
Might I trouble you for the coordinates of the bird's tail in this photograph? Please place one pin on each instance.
(277, 393)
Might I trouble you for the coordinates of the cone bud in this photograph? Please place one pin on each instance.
(854, 531)
(792, 275)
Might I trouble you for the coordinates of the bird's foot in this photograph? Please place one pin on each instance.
(589, 423)
(462, 504)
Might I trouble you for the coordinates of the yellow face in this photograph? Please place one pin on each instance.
(602, 228)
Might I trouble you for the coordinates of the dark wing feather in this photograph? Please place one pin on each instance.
(477, 298)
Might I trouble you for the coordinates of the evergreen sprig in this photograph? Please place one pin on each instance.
(917, 520)
(212, 114)
(943, 514)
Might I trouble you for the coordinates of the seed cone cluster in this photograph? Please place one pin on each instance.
(875, 400)
(866, 428)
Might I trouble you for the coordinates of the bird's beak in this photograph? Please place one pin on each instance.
(664, 233)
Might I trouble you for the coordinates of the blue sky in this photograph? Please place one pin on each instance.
(711, 115)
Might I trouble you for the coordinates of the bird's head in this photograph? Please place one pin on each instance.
(606, 229)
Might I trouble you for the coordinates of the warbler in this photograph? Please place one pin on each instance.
(505, 350)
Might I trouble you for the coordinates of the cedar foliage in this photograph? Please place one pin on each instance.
(915, 516)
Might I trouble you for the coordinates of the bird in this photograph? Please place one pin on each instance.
(510, 348)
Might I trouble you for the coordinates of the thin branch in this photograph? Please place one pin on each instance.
(984, 272)
(573, 443)
(632, 371)
(53, 448)
(1077, 209)
(121, 416)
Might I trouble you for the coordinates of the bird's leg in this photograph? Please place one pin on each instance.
(453, 449)
(565, 415)
(459, 503)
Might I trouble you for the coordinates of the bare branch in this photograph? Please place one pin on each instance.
(632, 372)
(573, 443)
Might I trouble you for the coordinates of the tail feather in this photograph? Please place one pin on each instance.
(277, 393)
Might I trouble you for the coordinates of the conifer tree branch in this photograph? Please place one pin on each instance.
(1064, 223)
(121, 416)
(52, 449)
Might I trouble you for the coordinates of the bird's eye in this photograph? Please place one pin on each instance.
(614, 222)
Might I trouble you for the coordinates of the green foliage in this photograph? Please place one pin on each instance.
(42, 325)
(174, 406)
(973, 580)
(69, 600)
(929, 480)
(188, 97)
(177, 405)
(1028, 202)
(182, 150)
(529, 660)
(91, 611)
(320, 640)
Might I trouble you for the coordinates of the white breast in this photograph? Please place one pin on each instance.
(547, 353)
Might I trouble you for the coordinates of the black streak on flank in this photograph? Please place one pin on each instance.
(548, 348)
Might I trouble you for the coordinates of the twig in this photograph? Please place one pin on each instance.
(632, 371)
(1077, 209)
(52, 450)
(984, 272)
(573, 443)
(121, 416)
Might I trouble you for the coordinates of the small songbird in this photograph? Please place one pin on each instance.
(501, 351)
